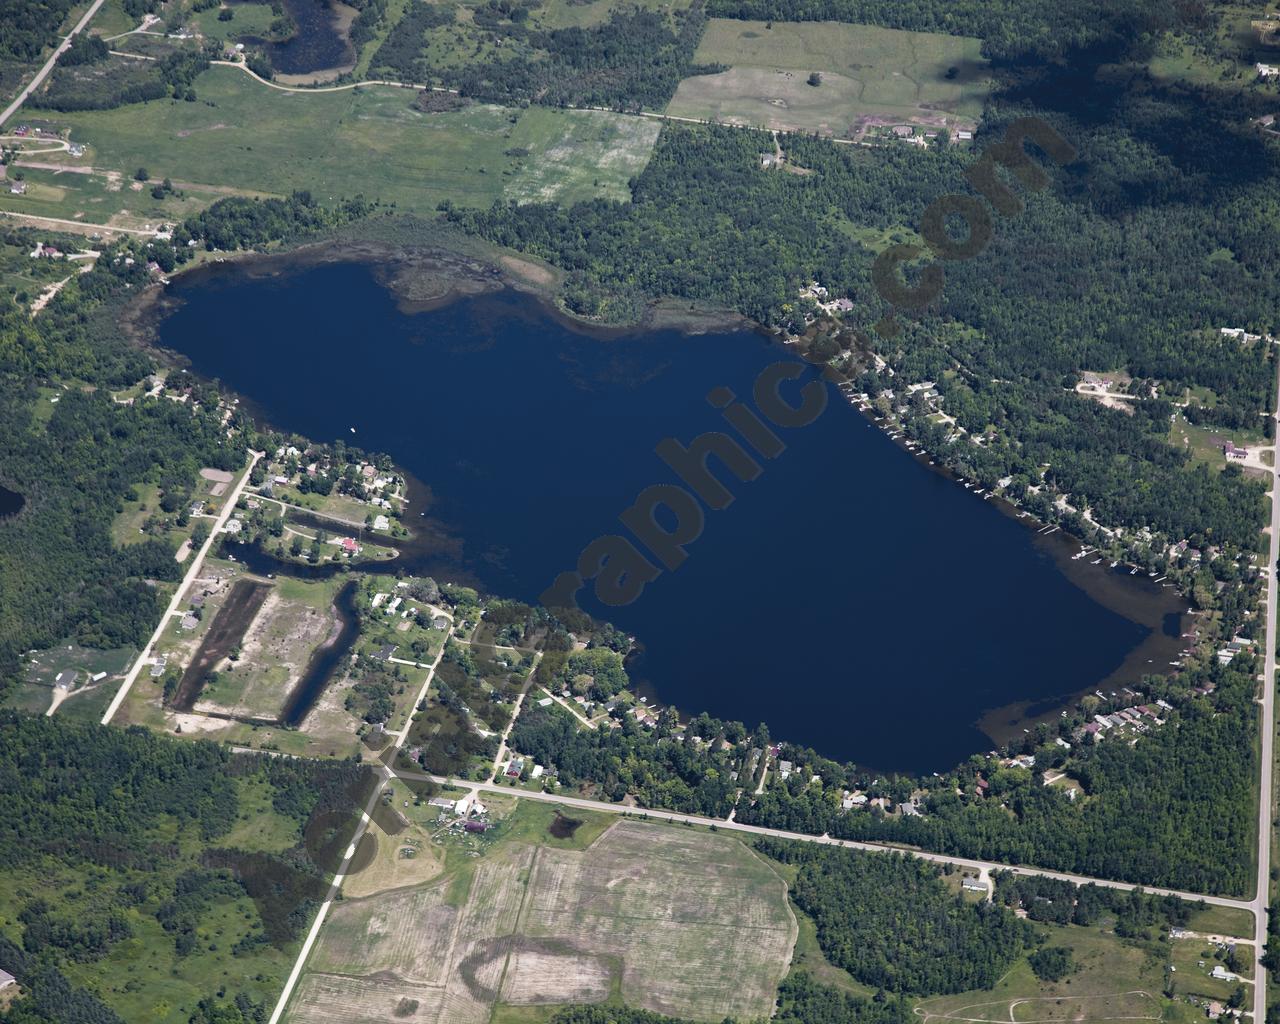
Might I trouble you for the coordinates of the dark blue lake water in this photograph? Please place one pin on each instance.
(850, 597)
(317, 45)
(11, 502)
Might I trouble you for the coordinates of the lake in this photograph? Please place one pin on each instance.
(320, 42)
(11, 502)
(850, 596)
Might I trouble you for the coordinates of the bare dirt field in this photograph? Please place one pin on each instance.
(527, 925)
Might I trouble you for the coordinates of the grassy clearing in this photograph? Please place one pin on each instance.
(109, 198)
(1113, 981)
(1221, 921)
(867, 72)
(111, 20)
(369, 140)
(1239, 46)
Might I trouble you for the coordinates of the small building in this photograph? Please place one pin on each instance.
(381, 523)
(475, 826)
(1266, 71)
(1222, 974)
(18, 188)
(189, 621)
(6, 979)
(545, 702)
(440, 622)
(64, 680)
(1233, 451)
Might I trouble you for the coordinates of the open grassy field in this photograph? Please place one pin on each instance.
(1113, 982)
(536, 921)
(110, 197)
(370, 140)
(868, 73)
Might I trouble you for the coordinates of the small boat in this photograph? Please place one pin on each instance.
(353, 430)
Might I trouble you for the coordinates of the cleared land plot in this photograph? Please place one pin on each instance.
(721, 954)
(295, 619)
(869, 75)
(368, 140)
(528, 926)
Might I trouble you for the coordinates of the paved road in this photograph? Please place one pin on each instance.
(1267, 729)
(851, 844)
(397, 741)
(143, 658)
(43, 73)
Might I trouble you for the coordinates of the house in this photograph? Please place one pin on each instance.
(393, 604)
(440, 622)
(76, 149)
(768, 160)
(973, 884)
(349, 545)
(903, 131)
(18, 188)
(189, 622)
(1266, 71)
(546, 702)
(1222, 974)
(1234, 451)
(157, 666)
(379, 598)
(842, 306)
(234, 525)
(384, 652)
(536, 771)
(6, 979)
(785, 768)
(964, 136)
(381, 523)
(64, 680)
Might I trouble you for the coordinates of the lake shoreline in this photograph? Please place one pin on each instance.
(429, 278)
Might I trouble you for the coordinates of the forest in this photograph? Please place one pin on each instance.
(892, 923)
(1151, 240)
(29, 26)
(98, 803)
(634, 60)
